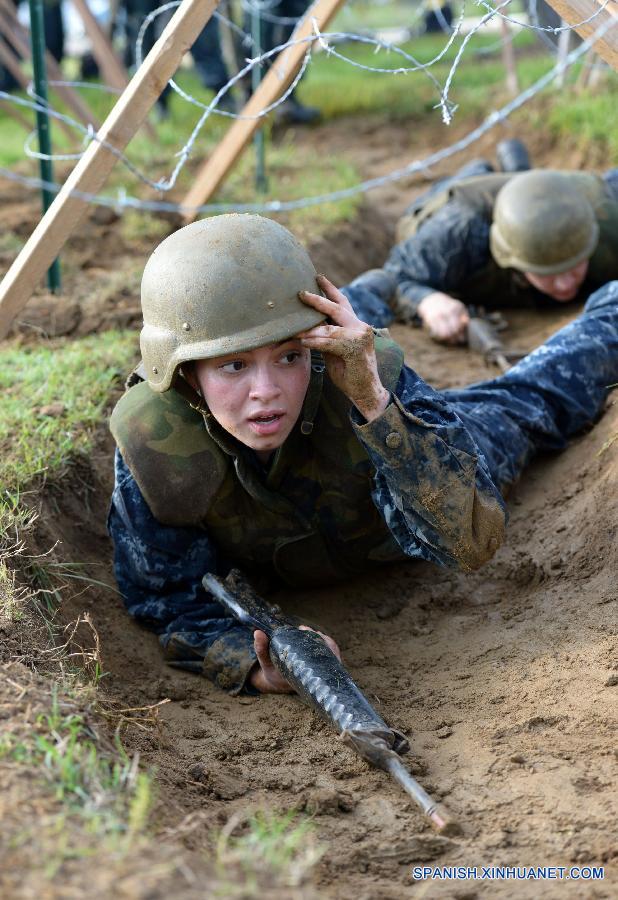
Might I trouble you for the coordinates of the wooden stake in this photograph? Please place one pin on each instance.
(508, 58)
(573, 11)
(92, 170)
(564, 44)
(279, 77)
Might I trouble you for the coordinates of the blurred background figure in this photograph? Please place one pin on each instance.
(278, 23)
(209, 62)
(438, 16)
(54, 37)
(206, 50)
(131, 15)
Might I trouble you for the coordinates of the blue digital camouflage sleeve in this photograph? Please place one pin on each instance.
(448, 247)
(432, 484)
(159, 571)
(441, 459)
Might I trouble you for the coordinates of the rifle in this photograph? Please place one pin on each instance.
(484, 338)
(322, 681)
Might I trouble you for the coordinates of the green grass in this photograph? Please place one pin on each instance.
(105, 791)
(276, 850)
(94, 805)
(76, 374)
(98, 794)
(368, 15)
(78, 377)
(591, 116)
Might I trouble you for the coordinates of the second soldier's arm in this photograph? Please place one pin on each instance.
(448, 248)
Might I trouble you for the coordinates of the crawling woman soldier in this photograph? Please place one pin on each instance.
(271, 430)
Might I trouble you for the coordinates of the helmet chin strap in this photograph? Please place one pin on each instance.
(314, 393)
(188, 393)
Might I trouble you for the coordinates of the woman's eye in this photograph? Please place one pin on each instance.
(235, 365)
(290, 357)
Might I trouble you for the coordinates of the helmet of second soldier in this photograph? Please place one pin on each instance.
(542, 224)
(222, 285)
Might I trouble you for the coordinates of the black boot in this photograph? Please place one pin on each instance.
(292, 112)
(512, 156)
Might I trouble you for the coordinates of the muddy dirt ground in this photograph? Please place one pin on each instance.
(504, 680)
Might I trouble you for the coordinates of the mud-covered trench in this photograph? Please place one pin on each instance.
(504, 681)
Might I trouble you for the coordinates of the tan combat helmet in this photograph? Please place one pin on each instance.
(543, 223)
(222, 285)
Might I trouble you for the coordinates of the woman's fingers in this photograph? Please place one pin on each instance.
(337, 340)
(267, 679)
(260, 643)
(333, 293)
(327, 344)
(335, 304)
(329, 307)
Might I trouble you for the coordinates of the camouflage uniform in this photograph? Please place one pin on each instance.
(450, 252)
(434, 465)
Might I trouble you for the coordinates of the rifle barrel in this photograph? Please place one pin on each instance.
(322, 681)
(440, 818)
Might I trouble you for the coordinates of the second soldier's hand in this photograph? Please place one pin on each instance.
(445, 318)
(348, 348)
(267, 679)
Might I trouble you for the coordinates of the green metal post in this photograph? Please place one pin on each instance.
(261, 182)
(37, 35)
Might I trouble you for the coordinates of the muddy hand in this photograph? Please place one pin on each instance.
(265, 677)
(347, 345)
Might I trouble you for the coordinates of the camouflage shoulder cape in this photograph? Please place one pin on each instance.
(178, 465)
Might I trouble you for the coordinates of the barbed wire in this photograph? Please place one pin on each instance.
(184, 153)
(91, 85)
(460, 52)
(124, 201)
(324, 40)
(384, 44)
(551, 29)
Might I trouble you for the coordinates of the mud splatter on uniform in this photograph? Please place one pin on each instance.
(433, 465)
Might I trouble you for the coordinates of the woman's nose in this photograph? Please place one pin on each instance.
(264, 385)
(566, 281)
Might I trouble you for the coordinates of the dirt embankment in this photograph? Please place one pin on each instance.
(504, 680)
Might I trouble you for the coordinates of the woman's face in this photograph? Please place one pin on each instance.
(563, 286)
(257, 396)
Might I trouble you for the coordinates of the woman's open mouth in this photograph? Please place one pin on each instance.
(266, 423)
